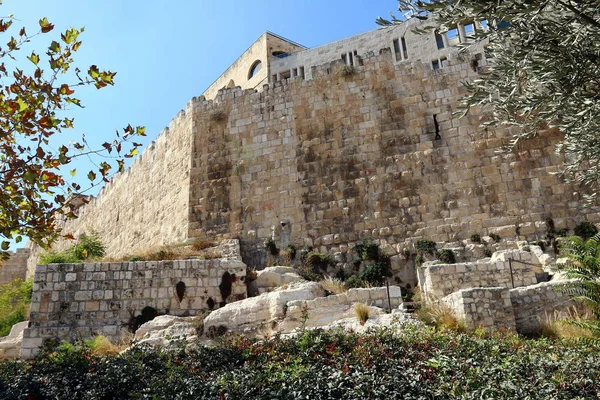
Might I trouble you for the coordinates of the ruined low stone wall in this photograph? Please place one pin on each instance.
(15, 267)
(441, 280)
(482, 307)
(534, 304)
(80, 300)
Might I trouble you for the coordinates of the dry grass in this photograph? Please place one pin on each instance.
(202, 244)
(562, 324)
(361, 310)
(333, 285)
(173, 252)
(102, 346)
(440, 316)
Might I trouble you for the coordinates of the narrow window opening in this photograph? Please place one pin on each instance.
(280, 54)
(439, 40)
(443, 62)
(435, 64)
(397, 49)
(302, 72)
(452, 36)
(404, 48)
(470, 29)
(345, 58)
(351, 59)
(285, 74)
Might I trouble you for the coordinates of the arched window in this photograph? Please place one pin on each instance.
(254, 69)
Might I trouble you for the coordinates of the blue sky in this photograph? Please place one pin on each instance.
(166, 52)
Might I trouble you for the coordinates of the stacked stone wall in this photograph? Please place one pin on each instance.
(80, 300)
(535, 304)
(482, 307)
(15, 267)
(441, 280)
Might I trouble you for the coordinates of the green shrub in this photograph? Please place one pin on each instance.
(487, 252)
(564, 232)
(425, 246)
(87, 247)
(58, 257)
(367, 250)
(15, 299)
(422, 363)
(319, 261)
(476, 238)
(585, 230)
(447, 256)
(495, 237)
(376, 273)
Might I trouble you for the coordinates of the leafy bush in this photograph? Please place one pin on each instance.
(476, 238)
(319, 261)
(447, 256)
(367, 250)
(346, 70)
(15, 299)
(419, 364)
(564, 232)
(376, 273)
(487, 252)
(425, 246)
(585, 230)
(87, 247)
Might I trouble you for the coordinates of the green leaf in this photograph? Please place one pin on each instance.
(5, 245)
(34, 58)
(73, 172)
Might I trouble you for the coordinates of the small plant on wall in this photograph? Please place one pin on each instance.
(447, 256)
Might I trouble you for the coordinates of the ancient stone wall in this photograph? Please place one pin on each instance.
(440, 280)
(482, 307)
(333, 161)
(145, 206)
(336, 160)
(15, 267)
(534, 304)
(80, 300)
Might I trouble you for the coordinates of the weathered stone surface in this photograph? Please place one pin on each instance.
(439, 280)
(74, 300)
(15, 267)
(10, 346)
(165, 328)
(261, 310)
(274, 277)
(482, 307)
(533, 304)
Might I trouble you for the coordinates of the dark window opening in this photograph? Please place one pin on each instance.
(404, 48)
(435, 64)
(280, 54)
(257, 66)
(439, 40)
(351, 59)
(285, 74)
(302, 72)
(345, 58)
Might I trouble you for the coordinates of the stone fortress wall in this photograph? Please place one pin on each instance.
(15, 267)
(336, 159)
(144, 206)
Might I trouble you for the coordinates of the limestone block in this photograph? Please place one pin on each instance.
(10, 346)
(273, 277)
(260, 310)
(165, 328)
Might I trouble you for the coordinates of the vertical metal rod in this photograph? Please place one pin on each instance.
(512, 279)
(387, 286)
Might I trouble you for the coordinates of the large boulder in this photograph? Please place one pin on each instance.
(273, 277)
(162, 329)
(262, 310)
(10, 346)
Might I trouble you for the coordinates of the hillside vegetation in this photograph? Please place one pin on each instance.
(419, 364)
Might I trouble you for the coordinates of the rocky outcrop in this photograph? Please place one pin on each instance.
(10, 346)
(161, 330)
(324, 311)
(271, 278)
(255, 312)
